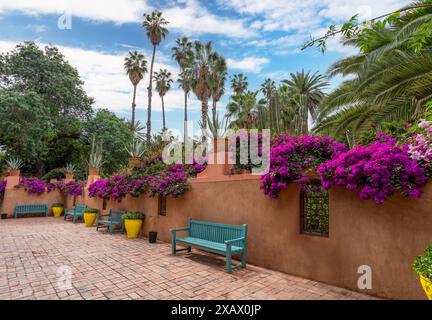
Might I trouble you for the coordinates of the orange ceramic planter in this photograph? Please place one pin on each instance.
(133, 228)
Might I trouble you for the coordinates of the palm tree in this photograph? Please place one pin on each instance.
(135, 66)
(244, 109)
(307, 93)
(239, 83)
(155, 27)
(268, 87)
(390, 79)
(204, 57)
(218, 76)
(183, 54)
(163, 85)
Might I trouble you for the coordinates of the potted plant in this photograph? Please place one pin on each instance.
(90, 216)
(133, 223)
(14, 164)
(95, 161)
(423, 267)
(136, 150)
(57, 209)
(69, 171)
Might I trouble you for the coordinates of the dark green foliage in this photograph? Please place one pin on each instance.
(422, 265)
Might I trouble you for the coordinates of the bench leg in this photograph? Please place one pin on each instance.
(173, 246)
(189, 249)
(243, 259)
(228, 259)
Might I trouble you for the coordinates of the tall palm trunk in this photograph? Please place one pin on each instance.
(214, 108)
(204, 111)
(133, 108)
(150, 89)
(185, 115)
(163, 115)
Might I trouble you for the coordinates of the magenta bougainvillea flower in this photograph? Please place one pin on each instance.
(72, 188)
(169, 180)
(32, 185)
(2, 188)
(291, 156)
(378, 170)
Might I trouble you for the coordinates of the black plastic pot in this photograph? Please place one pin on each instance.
(152, 236)
(4, 216)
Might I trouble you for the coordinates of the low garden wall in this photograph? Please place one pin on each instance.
(385, 237)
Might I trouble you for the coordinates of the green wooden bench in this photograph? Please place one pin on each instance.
(25, 209)
(218, 238)
(76, 213)
(114, 220)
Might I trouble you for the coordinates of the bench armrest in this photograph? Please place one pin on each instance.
(179, 229)
(234, 240)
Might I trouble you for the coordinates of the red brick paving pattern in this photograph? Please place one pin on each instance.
(113, 267)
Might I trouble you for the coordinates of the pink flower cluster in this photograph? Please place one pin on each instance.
(32, 185)
(290, 156)
(420, 145)
(379, 170)
(2, 188)
(72, 188)
(170, 180)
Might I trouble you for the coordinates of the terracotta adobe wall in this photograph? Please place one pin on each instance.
(385, 237)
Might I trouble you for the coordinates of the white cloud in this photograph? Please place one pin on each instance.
(106, 81)
(186, 16)
(248, 64)
(98, 10)
(192, 18)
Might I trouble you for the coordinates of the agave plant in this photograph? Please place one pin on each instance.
(14, 163)
(136, 148)
(217, 127)
(95, 160)
(69, 168)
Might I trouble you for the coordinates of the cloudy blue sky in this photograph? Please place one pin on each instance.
(260, 38)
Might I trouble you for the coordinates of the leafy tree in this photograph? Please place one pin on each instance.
(155, 27)
(113, 134)
(25, 128)
(41, 86)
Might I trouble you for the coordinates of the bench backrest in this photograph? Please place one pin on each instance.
(24, 208)
(79, 208)
(116, 215)
(216, 232)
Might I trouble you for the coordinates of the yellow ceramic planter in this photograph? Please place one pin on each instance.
(57, 211)
(89, 219)
(427, 286)
(133, 228)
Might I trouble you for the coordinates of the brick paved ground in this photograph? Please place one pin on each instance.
(113, 267)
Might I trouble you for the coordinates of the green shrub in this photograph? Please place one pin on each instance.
(91, 210)
(423, 264)
(133, 216)
(58, 205)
